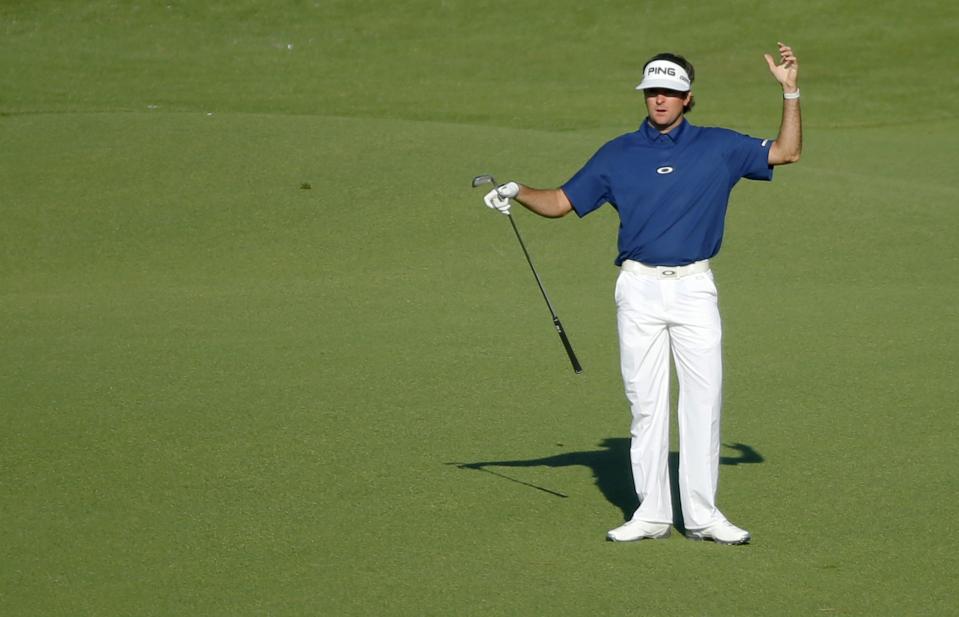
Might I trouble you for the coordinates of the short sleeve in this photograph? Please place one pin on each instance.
(749, 157)
(588, 189)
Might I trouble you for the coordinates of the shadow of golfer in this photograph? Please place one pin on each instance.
(610, 466)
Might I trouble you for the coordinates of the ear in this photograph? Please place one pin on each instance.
(688, 99)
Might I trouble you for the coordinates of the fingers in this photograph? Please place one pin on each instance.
(496, 202)
(508, 190)
(498, 198)
(787, 56)
(787, 71)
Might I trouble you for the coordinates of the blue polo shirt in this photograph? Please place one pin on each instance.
(671, 191)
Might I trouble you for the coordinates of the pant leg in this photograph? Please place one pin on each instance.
(696, 337)
(644, 360)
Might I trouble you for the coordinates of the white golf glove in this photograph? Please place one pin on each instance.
(498, 198)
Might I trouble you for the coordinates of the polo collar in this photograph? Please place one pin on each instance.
(654, 136)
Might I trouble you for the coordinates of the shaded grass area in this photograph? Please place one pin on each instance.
(223, 393)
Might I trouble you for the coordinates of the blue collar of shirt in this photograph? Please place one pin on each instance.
(655, 136)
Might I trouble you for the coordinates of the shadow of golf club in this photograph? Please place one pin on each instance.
(610, 466)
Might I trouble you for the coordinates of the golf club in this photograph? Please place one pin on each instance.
(487, 179)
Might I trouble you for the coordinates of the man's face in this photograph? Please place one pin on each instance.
(665, 107)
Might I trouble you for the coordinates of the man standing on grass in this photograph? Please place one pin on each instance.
(670, 183)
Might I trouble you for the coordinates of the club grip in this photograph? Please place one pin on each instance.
(569, 348)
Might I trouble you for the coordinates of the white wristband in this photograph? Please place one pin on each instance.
(789, 96)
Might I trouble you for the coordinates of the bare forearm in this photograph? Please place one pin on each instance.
(788, 146)
(551, 203)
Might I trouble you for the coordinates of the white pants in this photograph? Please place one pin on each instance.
(656, 314)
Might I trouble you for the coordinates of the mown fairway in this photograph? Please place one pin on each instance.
(251, 311)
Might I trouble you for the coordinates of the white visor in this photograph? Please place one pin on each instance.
(665, 74)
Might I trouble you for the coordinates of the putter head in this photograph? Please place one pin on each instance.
(484, 179)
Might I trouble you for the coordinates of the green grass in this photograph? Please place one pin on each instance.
(225, 394)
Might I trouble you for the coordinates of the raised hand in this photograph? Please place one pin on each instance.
(787, 71)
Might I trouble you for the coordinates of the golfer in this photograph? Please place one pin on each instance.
(670, 183)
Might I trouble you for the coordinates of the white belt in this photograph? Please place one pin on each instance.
(666, 272)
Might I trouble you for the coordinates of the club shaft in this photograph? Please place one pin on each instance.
(556, 322)
(539, 282)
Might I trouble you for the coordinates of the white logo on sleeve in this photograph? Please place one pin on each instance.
(763, 145)
(664, 170)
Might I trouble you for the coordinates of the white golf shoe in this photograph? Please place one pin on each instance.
(721, 533)
(637, 530)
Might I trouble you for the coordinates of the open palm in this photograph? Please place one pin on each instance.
(787, 71)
